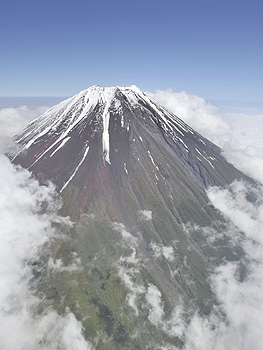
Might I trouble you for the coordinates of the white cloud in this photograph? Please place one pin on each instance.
(233, 202)
(158, 250)
(196, 112)
(24, 229)
(168, 253)
(145, 215)
(247, 131)
(236, 324)
(128, 269)
(27, 214)
(72, 337)
(154, 299)
(174, 326)
(48, 332)
(127, 236)
(245, 158)
(239, 135)
(57, 265)
(13, 120)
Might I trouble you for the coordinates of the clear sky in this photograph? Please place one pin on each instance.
(212, 48)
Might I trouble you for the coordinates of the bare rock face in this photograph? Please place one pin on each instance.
(132, 176)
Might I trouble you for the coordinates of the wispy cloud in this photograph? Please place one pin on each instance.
(28, 213)
(161, 250)
(195, 111)
(239, 135)
(129, 269)
(236, 323)
(12, 121)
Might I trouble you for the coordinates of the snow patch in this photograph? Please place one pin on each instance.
(125, 168)
(182, 142)
(75, 171)
(152, 160)
(200, 140)
(204, 158)
(107, 97)
(61, 145)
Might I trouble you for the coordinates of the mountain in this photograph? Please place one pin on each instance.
(133, 178)
(100, 139)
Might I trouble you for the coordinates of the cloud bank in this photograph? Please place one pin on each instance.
(12, 121)
(239, 135)
(237, 323)
(196, 112)
(28, 213)
(245, 147)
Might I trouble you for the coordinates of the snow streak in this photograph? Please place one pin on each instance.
(75, 171)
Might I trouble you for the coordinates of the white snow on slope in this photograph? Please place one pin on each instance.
(75, 171)
(61, 119)
(205, 158)
(61, 145)
(107, 97)
(152, 160)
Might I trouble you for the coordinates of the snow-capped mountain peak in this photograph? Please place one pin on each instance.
(69, 114)
(118, 129)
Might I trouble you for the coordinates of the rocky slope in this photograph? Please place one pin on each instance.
(132, 176)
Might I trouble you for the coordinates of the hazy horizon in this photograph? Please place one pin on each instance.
(224, 106)
(210, 49)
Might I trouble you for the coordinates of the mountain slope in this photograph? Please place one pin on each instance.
(102, 137)
(132, 176)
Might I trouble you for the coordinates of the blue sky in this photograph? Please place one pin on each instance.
(210, 48)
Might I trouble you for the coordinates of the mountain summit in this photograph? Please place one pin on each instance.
(133, 178)
(101, 138)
